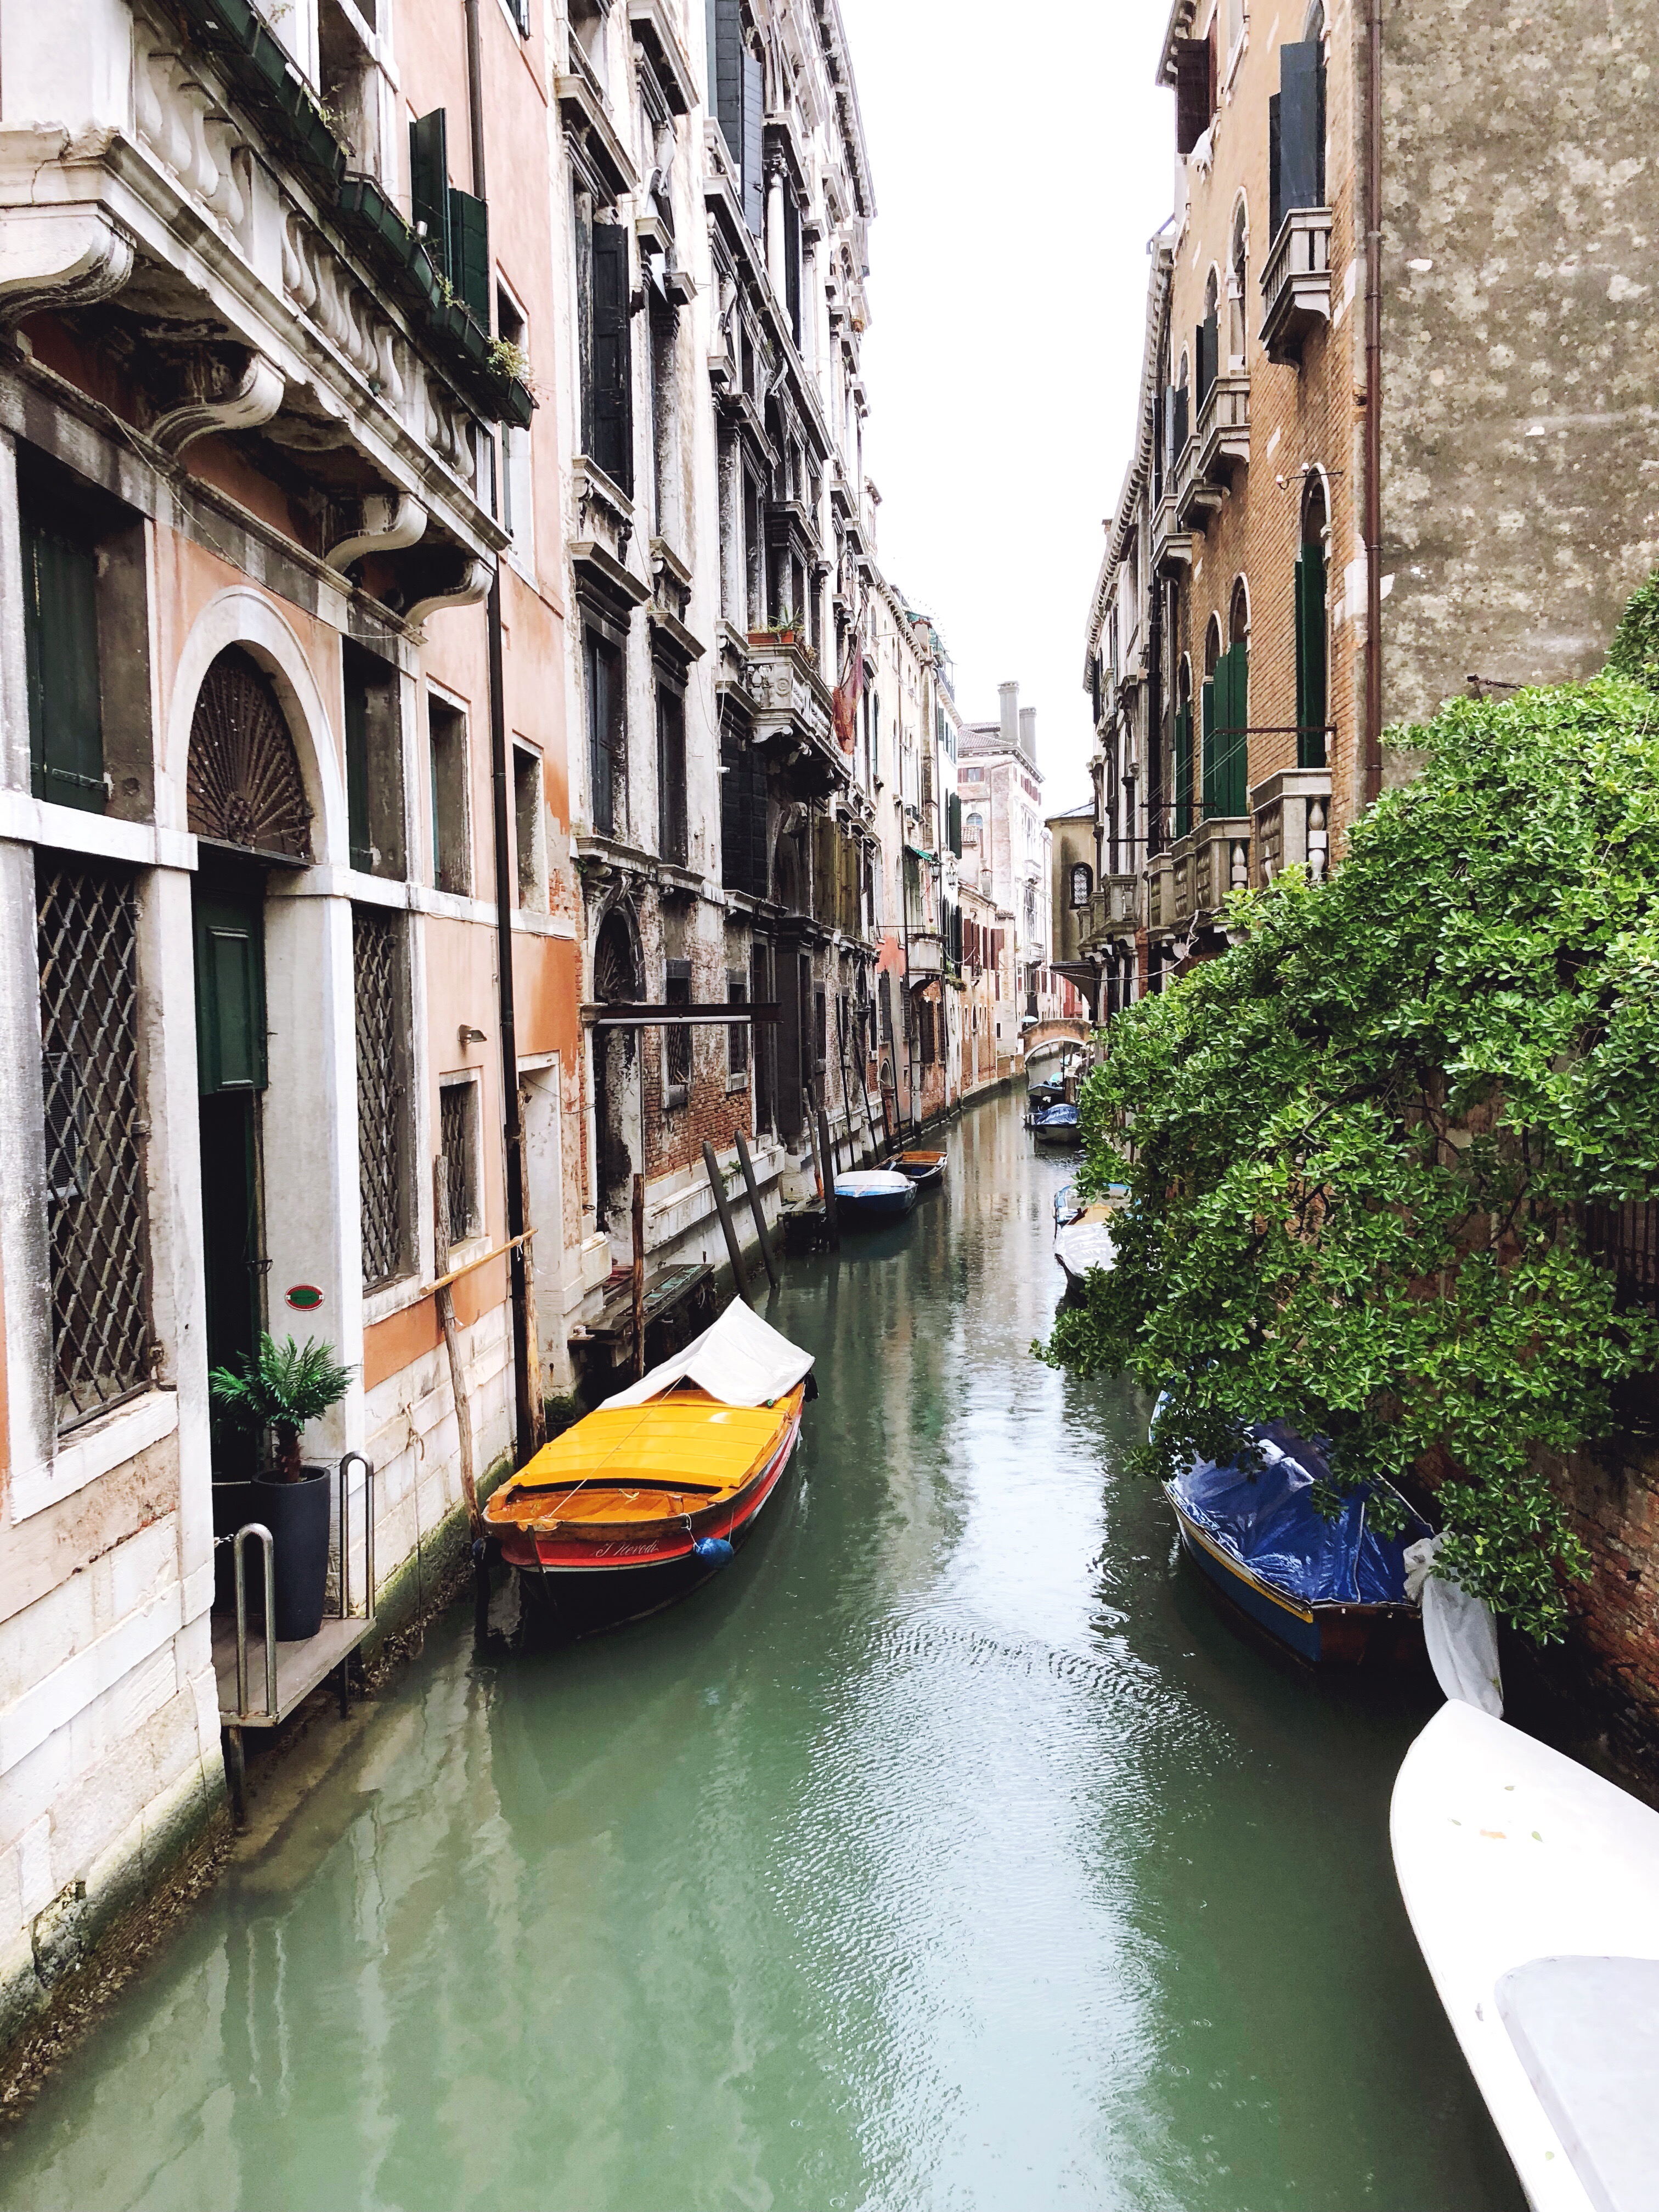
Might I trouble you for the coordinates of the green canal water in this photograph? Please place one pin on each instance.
(949, 1851)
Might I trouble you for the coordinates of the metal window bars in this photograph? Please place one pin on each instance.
(454, 1138)
(87, 939)
(381, 1096)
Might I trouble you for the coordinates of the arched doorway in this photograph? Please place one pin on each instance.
(618, 1133)
(246, 805)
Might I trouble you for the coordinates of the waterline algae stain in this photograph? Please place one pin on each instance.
(948, 1848)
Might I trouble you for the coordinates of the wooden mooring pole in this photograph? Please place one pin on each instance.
(757, 1209)
(639, 1274)
(452, 1344)
(722, 1207)
(830, 1213)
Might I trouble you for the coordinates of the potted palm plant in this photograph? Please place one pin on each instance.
(279, 1389)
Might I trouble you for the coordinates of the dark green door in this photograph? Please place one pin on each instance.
(230, 1040)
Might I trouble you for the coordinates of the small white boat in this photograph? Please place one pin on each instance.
(1533, 1888)
(1084, 1243)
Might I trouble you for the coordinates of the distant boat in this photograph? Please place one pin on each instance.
(1533, 1888)
(1334, 1592)
(1055, 1125)
(1052, 1093)
(648, 1497)
(872, 1194)
(925, 1170)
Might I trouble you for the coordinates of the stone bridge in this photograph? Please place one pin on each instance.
(1046, 1039)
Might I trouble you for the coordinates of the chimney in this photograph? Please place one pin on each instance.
(1028, 733)
(1009, 695)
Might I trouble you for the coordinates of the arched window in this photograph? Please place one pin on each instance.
(1312, 655)
(1083, 883)
(1183, 748)
(1209, 335)
(1239, 620)
(242, 781)
(1235, 26)
(1238, 261)
(975, 824)
(1226, 714)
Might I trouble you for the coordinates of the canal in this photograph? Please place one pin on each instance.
(949, 1849)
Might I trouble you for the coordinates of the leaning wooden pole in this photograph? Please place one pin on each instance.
(757, 1209)
(829, 1210)
(639, 1274)
(722, 1207)
(452, 1344)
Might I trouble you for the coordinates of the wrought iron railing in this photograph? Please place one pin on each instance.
(382, 1097)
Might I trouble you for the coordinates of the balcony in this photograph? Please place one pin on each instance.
(1224, 428)
(1172, 542)
(1113, 912)
(1161, 894)
(788, 703)
(256, 290)
(1209, 863)
(1292, 813)
(1296, 284)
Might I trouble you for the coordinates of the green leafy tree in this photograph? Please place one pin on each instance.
(1363, 1145)
(281, 1388)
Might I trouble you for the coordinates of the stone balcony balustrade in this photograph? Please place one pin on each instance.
(1208, 863)
(1291, 813)
(1296, 284)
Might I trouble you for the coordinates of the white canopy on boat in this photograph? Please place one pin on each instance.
(1532, 1887)
(740, 1360)
(872, 1182)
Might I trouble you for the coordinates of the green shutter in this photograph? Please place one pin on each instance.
(230, 990)
(428, 185)
(1183, 771)
(1207, 703)
(1312, 710)
(469, 244)
(60, 651)
(613, 365)
(1232, 694)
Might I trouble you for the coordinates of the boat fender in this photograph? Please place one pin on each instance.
(713, 1551)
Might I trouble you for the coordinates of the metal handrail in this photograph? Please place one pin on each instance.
(256, 1529)
(367, 1466)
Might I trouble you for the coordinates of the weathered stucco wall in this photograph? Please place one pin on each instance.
(1520, 400)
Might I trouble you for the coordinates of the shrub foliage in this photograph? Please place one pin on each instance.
(1362, 1143)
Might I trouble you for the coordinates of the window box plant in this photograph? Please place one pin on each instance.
(278, 1390)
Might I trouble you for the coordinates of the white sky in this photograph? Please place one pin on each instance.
(1022, 157)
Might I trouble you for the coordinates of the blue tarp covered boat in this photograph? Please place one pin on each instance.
(1332, 1591)
(1055, 1125)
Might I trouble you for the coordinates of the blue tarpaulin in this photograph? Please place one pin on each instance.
(1266, 1516)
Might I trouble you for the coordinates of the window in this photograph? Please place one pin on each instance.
(87, 938)
(739, 104)
(607, 756)
(1195, 91)
(1184, 748)
(1207, 338)
(1083, 883)
(1227, 714)
(1312, 657)
(529, 816)
(451, 842)
(518, 498)
(373, 762)
(737, 1035)
(606, 336)
(382, 1093)
(677, 1035)
(925, 1027)
(821, 1007)
(1237, 282)
(673, 837)
(457, 1144)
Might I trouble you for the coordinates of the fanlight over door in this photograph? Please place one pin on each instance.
(243, 785)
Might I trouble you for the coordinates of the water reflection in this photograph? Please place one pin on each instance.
(949, 1850)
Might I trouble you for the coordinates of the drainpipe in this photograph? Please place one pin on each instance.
(526, 1353)
(1372, 782)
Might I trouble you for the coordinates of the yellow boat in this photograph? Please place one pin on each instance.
(650, 1495)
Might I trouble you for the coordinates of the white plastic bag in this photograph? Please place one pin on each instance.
(1459, 1630)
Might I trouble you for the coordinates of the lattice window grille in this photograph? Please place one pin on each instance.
(457, 1137)
(87, 941)
(382, 1096)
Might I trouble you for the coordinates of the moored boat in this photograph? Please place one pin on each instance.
(649, 1496)
(1532, 1889)
(1055, 1125)
(925, 1170)
(1333, 1592)
(870, 1195)
(1085, 1243)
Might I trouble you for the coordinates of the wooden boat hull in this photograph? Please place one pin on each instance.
(1067, 1134)
(620, 1572)
(1385, 1638)
(925, 1170)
